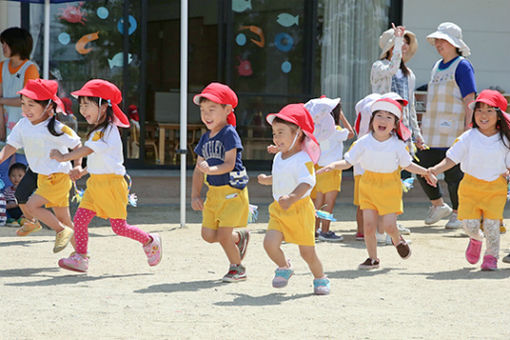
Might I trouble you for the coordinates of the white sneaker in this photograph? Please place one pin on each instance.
(403, 230)
(453, 222)
(437, 213)
(381, 238)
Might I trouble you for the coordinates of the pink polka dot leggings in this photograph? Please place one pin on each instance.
(120, 227)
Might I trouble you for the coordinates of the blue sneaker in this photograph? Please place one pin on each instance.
(321, 286)
(330, 236)
(281, 277)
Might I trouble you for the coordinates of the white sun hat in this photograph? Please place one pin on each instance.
(451, 33)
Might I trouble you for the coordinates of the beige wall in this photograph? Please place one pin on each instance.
(486, 30)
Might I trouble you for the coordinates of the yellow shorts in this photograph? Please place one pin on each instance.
(225, 207)
(478, 197)
(355, 200)
(328, 181)
(107, 196)
(297, 224)
(54, 188)
(381, 192)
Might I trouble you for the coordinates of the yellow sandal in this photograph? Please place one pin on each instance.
(28, 227)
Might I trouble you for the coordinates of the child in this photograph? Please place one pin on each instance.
(219, 158)
(16, 173)
(380, 153)
(37, 134)
(484, 156)
(107, 191)
(292, 214)
(326, 113)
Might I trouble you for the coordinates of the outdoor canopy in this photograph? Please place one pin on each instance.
(183, 84)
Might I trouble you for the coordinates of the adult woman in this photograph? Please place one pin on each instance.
(390, 73)
(450, 90)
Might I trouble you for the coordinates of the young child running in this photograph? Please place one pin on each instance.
(327, 116)
(292, 214)
(39, 132)
(219, 159)
(484, 156)
(380, 153)
(107, 191)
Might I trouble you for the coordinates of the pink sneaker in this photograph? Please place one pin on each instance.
(75, 262)
(473, 251)
(489, 263)
(153, 250)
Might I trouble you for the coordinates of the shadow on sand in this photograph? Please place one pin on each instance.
(264, 300)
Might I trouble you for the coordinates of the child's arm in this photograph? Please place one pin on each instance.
(338, 165)
(196, 187)
(77, 153)
(265, 179)
(7, 151)
(419, 170)
(287, 200)
(220, 169)
(346, 124)
(445, 164)
(77, 171)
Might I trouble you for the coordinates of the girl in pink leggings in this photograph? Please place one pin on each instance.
(106, 195)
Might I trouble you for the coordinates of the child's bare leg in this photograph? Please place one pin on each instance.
(226, 239)
(64, 216)
(272, 243)
(35, 206)
(359, 220)
(329, 200)
(26, 213)
(310, 256)
(318, 203)
(389, 225)
(370, 218)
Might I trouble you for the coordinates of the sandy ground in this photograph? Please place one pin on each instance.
(434, 294)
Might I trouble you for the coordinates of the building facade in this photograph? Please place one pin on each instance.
(270, 52)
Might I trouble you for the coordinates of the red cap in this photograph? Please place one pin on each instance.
(220, 94)
(299, 115)
(42, 89)
(492, 98)
(68, 104)
(107, 91)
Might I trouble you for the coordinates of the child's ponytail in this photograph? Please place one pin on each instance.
(51, 123)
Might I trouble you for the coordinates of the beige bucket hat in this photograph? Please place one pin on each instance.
(387, 41)
(451, 33)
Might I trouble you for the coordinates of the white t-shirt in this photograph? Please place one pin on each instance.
(332, 149)
(375, 156)
(483, 157)
(290, 172)
(107, 157)
(37, 142)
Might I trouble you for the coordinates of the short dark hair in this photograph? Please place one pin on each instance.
(19, 41)
(204, 99)
(17, 166)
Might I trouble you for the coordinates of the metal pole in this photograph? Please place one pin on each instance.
(183, 108)
(46, 49)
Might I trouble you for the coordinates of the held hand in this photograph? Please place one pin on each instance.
(432, 170)
(56, 155)
(76, 173)
(272, 149)
(327, 168)
(285, 202)
(197, 203)
(431, 178)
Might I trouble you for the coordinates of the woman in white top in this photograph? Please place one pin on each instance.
(391, 74)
